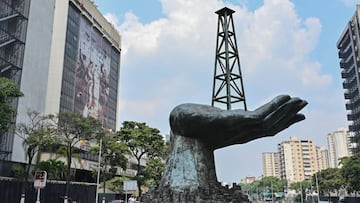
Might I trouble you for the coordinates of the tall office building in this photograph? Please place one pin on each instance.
(271, 164)
(338, 145)
(70, 61)
(298, 159)
(349, 54)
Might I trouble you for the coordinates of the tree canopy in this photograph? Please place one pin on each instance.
(301, 186)
(259, 187)
(73, 127)
(8, 91)
(56, 169)
(350, 171)
(113, 154)
(329, 180)
(38, 133)
(153, 171)
(143, 141)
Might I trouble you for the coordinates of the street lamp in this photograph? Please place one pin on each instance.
(272, 191)
(98, 174)
(317, 187)
(301, 193)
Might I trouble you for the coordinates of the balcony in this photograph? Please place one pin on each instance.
(354, 116)
(347, 63)
(350, 117)
(354, 128)
(349, 82)
(347, 96)
(350, 94)
(349, 106)
(345, 53)
(344, 41)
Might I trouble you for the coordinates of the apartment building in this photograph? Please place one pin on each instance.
(271, 164)
(348, 48)
(298, 159)
(339, 145)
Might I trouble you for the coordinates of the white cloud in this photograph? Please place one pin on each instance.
(312, 78)
(273, 41)
(170, 60)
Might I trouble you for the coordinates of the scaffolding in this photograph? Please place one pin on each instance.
(13, 26)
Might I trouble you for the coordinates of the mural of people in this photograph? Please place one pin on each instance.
(92, 73)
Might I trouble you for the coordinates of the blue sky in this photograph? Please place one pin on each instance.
(285, 47)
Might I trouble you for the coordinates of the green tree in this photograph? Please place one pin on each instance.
(301, 187)
(274, 184)
(330, 180)
(56, 169)
(116, 184)
(350, 171)
(18, 172)
(257, 188)
(72, 128)
(143, 141)
(113, 155)
(8, 91)
(38, 133)
(153, 171)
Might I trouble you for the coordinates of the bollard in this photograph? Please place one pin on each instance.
(22, 200)
(65, 199)
(103, 200)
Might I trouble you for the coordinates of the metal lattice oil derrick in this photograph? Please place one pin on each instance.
(228, 84)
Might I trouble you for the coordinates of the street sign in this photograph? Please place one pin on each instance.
(130, 185)
(40, 179)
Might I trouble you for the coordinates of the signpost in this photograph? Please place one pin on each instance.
(129, 186)
(40, 182)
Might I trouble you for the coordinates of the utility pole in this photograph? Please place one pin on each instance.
(98, 173)
(228, 81)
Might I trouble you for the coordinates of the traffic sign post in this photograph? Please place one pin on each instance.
(39, 183)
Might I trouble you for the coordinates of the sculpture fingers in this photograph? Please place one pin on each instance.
(285, 111)
(286, 123)
(272, 106)
(278, 120)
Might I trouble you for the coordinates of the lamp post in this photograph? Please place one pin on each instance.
(317, 187)
(301, 193)
(98, 174)
(272, 191)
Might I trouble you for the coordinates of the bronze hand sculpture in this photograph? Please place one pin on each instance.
(198, 130)
(220, 128)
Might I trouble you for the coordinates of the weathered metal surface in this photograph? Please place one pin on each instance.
(197, 130)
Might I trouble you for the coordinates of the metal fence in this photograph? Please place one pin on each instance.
(10, 192)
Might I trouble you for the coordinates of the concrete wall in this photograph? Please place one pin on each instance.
(43, 61)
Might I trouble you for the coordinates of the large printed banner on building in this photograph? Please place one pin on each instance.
(92, 72)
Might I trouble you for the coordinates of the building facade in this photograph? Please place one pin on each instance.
(271, 164)
(248, 179)
(338, 145)
(298, 159)
(348, 47)
(322, 158)
(70, 62)
(13, 28)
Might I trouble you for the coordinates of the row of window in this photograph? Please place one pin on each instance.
(69, 68)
